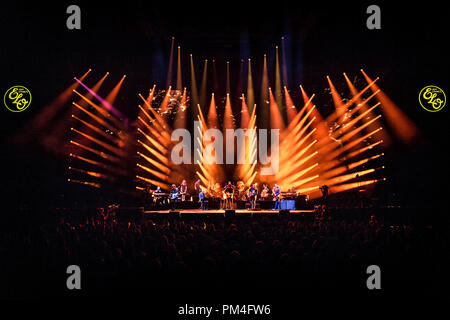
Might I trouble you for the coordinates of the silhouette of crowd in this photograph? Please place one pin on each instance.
(191, 250)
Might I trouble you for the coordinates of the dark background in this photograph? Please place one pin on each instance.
(133, 38)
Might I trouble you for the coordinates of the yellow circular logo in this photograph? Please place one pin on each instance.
(17, 98)
(432, 98)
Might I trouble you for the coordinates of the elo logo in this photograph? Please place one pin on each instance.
(17, 98)
(432, 98)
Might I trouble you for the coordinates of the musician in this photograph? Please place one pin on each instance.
(241, 196)
(197, 187)
(229, 193)
(324, 190)
(157, 196)
(183, 190)
(253, 191)
(148, 199)
(174, 196)
(203, 199)
(265, 192)
(276, 196)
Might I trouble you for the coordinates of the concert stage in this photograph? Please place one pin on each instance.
(218, 212)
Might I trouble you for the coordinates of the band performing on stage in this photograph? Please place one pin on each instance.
(214, 196)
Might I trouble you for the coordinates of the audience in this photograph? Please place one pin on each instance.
(215, 250)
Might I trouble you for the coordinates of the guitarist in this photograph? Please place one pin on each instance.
(174, 196)
(276, 196)
(253, 195)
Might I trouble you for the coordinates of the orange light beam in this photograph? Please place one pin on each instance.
(105, 113)
(102, 154)
(299, 174)
(180, 117)
(228, 78)
(155, 123)
(403, 127)
(201, 116)
(307, 190)
(363, 161)
(351, 155)
(291, 152)
(102, 111)
(264, 96)
(153, 172)
(252, 178)
(332, 117)
(194, 90)
(337, 100)
(276, 120)
(228, 122)
(245, 119)
(154, 182)
(299, 183)
(350, 124)
(160, 120)
(250, 91)
(93, 174)
(111, 97)
(105, 145)
(99, 164)
(300, 134)
(213, 122)
(354, 185)
(349, 135)
(164, 107)
(86, 183)
(158, 155)
(205, 172)
(299, 115)
(203, 86)
(154, 132)
(291, 111)
(49, 112)
(362, 106)
(155, 163)
(179, 83)
(250, 172)
(158, 146)
(349, 145)
(169, 70)
(278, 97)
(332, 144)
(345, 168)
(294, 131)
(296, 165)
(98, 130)
(346, 177)
(204, 180)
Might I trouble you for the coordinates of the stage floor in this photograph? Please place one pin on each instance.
(221, 211)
